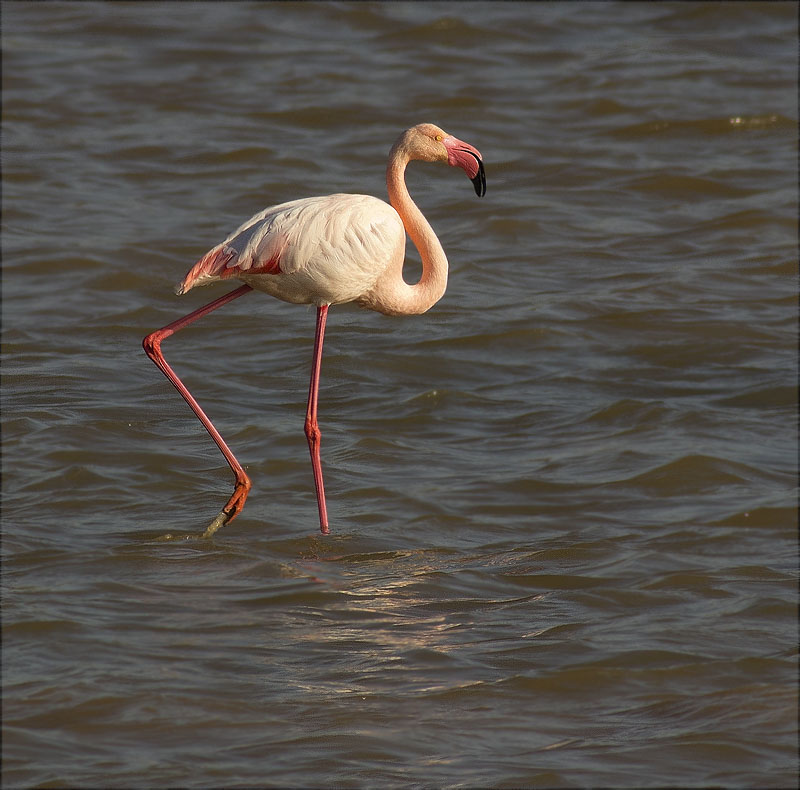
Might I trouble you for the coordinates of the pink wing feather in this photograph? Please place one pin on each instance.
(252, 248)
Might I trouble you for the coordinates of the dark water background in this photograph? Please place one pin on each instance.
(563, 502)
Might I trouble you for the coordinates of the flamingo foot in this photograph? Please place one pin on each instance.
(220, 521)
(228, 513)
(232, 509)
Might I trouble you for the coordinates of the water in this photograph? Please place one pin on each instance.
(563, 502)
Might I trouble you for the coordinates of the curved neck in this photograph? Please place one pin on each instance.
(432, 284)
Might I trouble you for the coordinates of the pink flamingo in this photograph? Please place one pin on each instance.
(323, 251)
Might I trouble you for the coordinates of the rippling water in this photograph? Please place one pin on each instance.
(563, 502)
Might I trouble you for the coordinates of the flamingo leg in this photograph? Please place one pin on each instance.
(152, 347)
(312, 430)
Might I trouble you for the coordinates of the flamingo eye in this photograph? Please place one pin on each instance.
(439, 138)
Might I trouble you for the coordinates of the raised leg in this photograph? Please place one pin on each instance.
(152, 346)
(313, 433)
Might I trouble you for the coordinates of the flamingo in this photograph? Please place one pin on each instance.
(323, 251)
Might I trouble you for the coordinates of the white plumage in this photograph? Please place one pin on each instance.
(319, 250)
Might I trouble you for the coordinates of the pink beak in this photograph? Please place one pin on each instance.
(469, 159)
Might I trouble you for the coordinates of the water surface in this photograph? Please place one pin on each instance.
(563, 502)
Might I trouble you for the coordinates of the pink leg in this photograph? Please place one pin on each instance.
(312, 428)
(152, 346)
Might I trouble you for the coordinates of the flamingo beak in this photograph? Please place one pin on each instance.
(479, 180)
(469, 159)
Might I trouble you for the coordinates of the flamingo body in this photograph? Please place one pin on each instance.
(323, 251)
(318, 250)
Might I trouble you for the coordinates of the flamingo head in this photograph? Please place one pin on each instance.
(432, 144)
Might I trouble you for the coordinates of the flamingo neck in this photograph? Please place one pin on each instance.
(421, 296)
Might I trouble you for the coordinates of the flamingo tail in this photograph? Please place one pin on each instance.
(219, 264)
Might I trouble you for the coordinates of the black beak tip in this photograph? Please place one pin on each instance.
(479, 182)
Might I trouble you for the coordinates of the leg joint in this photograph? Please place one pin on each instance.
(152, 343)
(313, 433)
